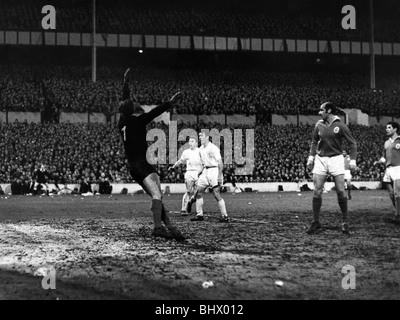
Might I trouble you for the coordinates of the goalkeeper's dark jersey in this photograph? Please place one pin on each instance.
(133, 128)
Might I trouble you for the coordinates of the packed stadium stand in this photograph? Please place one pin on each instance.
(288, 19)
(76, 151)
(33, 81)
(70, 89)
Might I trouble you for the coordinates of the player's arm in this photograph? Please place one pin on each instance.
(176, 164)
(201, 171)
(126, 93)
(179, 162)
(352, 146)
(154, 113)
(313, 148)
(126, 98)
(220, 166)
(382, 160)
(220, 171)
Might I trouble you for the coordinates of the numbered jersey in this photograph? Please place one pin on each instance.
(133, 135)
(133, 131)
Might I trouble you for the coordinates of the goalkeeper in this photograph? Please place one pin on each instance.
(132, 128)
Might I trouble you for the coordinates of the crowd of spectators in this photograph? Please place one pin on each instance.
(70, 89)
(74, 153)
(246, 19)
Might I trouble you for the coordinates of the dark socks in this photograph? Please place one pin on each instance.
(343, 207)
(164, 216)
(393, 200)
(316, 203)
(156, 209)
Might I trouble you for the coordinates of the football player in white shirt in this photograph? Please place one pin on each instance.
(194, 167)
(211, 176)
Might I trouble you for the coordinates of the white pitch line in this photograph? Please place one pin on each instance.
(233, 219)
(240, 220)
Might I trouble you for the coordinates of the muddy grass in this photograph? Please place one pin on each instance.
(101, 248)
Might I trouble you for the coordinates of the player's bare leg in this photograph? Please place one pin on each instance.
(192, 199)
(342, 200)
(186, 197)
(396, 187)
(349, 186)
(319, 181)
(47, 189)
(199, 204)
(151, 185)
(185, 200)
(164, 216)
(390, 190)
(221, 204)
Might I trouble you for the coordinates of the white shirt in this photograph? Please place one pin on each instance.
(192, 159)
(210, 155)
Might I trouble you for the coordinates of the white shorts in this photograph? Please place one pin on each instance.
(386, 177)
(209, 178)
(393, 173)
(191, 176)
(329, 165)
(347, 175)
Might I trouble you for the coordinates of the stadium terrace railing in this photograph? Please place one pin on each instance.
(354, 116)
(132, 188)
(195, 42)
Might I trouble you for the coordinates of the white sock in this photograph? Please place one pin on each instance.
(222, 208)
(185, 200)
(199, 207)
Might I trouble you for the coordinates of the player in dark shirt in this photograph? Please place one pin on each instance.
(132, 127)
(326, 157)
(104, 186)
(41, 176)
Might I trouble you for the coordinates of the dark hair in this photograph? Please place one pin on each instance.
(126, 106)
(394, 125)
(129, 107)
(332, 106)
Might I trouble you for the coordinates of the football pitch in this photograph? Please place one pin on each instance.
(101, 247)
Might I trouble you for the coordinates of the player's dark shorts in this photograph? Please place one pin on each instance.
(140, 169)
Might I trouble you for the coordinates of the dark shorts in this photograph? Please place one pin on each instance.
(140, 169)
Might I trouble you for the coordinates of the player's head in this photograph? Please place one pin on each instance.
(392, 128)
(326, 109)
(192, 143)
(344, 153)
(129, 107)
(204, 137)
